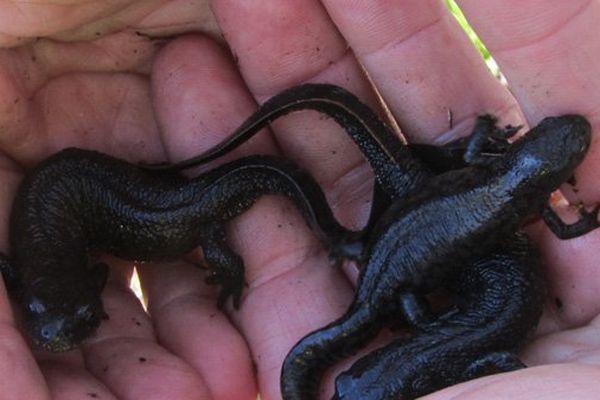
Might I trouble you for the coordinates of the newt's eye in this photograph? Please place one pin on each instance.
(36, 306)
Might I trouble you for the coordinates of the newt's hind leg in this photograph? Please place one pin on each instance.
(225, 266)
(416, 310)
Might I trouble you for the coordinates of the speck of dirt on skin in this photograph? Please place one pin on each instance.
(105, 369)
(236, 59)
(97, 33)
(142, 359)
(93, 395)
(333, 152)
(136, 322)
(279, 226)
(558, 302)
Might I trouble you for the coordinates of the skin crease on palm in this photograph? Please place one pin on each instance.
(77, 74)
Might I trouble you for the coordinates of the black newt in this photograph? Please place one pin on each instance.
(421, 241)
(499, 301)
(78, 201)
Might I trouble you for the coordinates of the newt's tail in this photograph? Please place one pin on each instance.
(311, 356)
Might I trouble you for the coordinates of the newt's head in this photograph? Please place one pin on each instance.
(547, 156)
(59, 313)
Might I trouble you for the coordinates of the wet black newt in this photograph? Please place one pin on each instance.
(499, 300)
(78, 201)
(421, 241)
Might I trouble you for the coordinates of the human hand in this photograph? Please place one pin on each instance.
(421, 63)
(85, 82)
(191, 348)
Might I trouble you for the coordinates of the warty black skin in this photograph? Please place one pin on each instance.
(499, 300)
(421, 241)
(78, 201)
(402, 174)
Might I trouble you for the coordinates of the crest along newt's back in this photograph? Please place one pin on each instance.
(498, 302)
(455, 218)
(77, 201)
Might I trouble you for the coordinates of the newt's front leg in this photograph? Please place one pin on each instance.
(486, 143)
(587, 222)
(225, 265)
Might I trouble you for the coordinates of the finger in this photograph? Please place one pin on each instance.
(280, 54)
(108, 112)
(124, 355)
(188, 323)
(573, 278)
(71, 382)
(553, 382)
(23, 22)
(26, 20)
(21, 377)
(80, 22)
(423, 64)
(567, 346)
(183, 82)
(549, 75)
(199, 97)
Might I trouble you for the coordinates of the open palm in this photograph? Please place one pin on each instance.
(101, 77)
